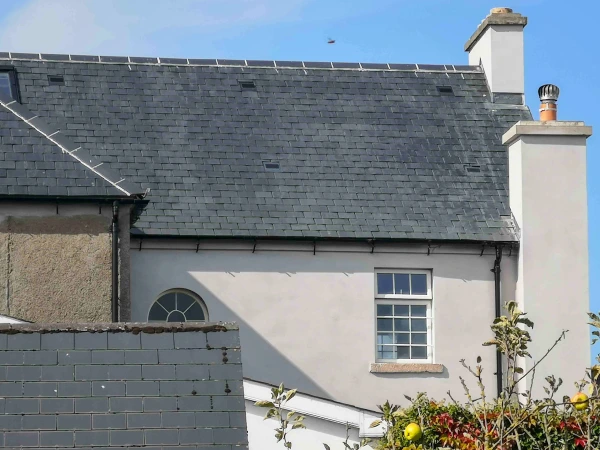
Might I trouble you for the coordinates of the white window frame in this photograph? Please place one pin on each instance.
(429, 294)
(405, 299)
(192, 294)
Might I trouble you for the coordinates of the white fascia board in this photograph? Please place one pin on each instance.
(327, 410)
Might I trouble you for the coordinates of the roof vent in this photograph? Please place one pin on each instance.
(472, 168)
(56, 79)
(445, 90)
(271, 166)
(548, 97)
(247, 85)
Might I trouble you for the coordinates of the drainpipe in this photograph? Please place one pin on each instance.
(115, 263)
(497, 271)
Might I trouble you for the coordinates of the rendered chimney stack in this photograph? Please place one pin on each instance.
(547, 192)
(548, 96)
(497, 46)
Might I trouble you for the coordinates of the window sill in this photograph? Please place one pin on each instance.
(406, 368)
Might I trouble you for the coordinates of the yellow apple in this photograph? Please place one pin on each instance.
(580, 401)
(413, 432)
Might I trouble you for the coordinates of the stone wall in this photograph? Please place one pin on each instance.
(122, 386)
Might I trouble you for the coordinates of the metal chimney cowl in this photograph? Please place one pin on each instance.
(548, 94)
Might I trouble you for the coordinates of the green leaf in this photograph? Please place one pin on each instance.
(271, 413)
(288, 445)
(527, 322)
(478, 359)
(375, 423)
(290, 394)
(519, 370)
(298, 425)
(264, 404)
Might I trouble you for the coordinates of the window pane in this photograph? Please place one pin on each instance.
(403, 352)
(384, 338)
(418, 352)
(418, 310)
(402, 338)
(401, 324)
(184, 301)
(384, 325)
(419, 284)
(168, 302)
(5, 84)
(385, 283)
(195, 313)
(385, 352)
(176, 316)
(402, 283)
(401, 310)
(418, 338)
(418, 325)
(157, 312)
(384, 310)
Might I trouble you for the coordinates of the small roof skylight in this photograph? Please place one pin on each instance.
(271, 166)
(247, 85)
(445, 90)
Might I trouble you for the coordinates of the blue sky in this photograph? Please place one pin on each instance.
(561, 43)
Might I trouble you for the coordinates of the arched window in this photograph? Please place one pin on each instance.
(178, 305)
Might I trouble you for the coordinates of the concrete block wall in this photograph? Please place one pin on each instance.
(121, 386)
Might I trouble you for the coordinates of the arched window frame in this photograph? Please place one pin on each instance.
(187, 292)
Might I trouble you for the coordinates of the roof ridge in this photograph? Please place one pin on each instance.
(238, 63)
(54, 135)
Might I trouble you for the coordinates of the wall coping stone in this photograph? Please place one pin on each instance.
(130, 327)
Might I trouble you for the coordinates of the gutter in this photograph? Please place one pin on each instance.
(497, 302)
(73, 199)
(115, 263)
(372, 242)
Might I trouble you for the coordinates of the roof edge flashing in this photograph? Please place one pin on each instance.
(300, 65)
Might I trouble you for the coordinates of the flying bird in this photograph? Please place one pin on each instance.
(331, 41)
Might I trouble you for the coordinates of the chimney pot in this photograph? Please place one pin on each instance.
(501, 10)
(548, 94)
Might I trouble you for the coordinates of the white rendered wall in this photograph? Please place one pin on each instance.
(308, 320)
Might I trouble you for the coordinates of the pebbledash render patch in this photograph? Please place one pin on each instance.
(122, 386)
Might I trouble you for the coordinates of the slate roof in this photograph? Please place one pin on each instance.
(40, 161)
(365, 151)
